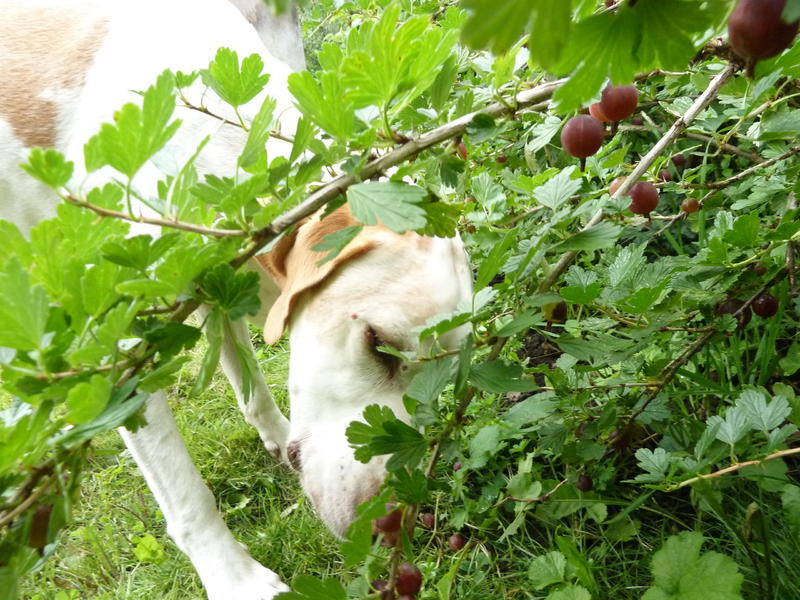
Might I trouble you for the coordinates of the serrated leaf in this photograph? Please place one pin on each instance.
(495, 26)
(551, 25)
(235, 293)
(214, 330)
(324, 103)
(602, 235)
(655, 462)
(49, 166)
(233, 84)
(558, 189)
(87, 400)
(335, 242)
(123, 404)
(529, 411)
(745, 231)
(681, 572)
(547, 569)
(23, 308)
(499, 377)
(763, 416)
(394, 204)
(581, 295)
(137, 133)
(571, 591)
(733, 427)
(484, 445)
(258, 135)
(428, 384)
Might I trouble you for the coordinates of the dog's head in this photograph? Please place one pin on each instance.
(379, 291)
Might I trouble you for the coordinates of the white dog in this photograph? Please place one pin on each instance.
(65, 66)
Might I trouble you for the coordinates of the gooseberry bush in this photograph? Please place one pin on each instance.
(617, 424)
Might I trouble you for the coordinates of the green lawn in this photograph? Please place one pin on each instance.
(118, 548)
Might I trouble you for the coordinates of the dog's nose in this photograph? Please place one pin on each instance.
(293, 455)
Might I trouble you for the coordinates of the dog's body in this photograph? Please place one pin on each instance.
(65, 66)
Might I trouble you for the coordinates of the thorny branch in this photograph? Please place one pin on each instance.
(157, 221)
(733, 468)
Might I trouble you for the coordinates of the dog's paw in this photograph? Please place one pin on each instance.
(251, 581)
(275, 436)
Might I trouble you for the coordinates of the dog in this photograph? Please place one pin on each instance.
(65, 66)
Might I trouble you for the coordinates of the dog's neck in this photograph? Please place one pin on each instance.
(280, 33)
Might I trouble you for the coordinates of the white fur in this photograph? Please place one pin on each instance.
(333, 376)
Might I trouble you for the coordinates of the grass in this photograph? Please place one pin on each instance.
(259, 497)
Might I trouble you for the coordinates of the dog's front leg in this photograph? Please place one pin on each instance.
(227, 571)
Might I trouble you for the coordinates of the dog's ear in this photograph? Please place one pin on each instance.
(295, 266)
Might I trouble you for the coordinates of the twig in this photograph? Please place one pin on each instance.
(716, 185)
(612, 386)
(72, 372)
(723, 146)
(677, 127)
(202, 109)
(159, 222)
(732, 468)
(730, 148)
(791, 204)
(12, 514)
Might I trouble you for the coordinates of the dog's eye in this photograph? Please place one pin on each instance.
(374, 342)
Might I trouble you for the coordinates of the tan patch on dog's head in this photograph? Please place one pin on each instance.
(295, 266)
(43, 50)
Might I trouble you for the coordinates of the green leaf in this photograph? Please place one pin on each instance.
(551, 27)
(49, 166)
(558, 189)
(745, 231)
(529, 411)
(682, 573)
(137, 133)
(495, 26)
(23, 308)
(233, 84)
(324, 103)
(763, 416)
(392, 203)
(140, 251)
(235, 293)
(581, 295)
(336, 242)
(389, 65)
(499, 377)
(571, 591)
(258, 135)
(602, 235)
(214, 330)
(733, 427)
(791, 12)
(163, 375)
(382, 434)
(429, 383)
(491, 265)
(484, 445)
(123, 404)
(86, 401)
(655, 462)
